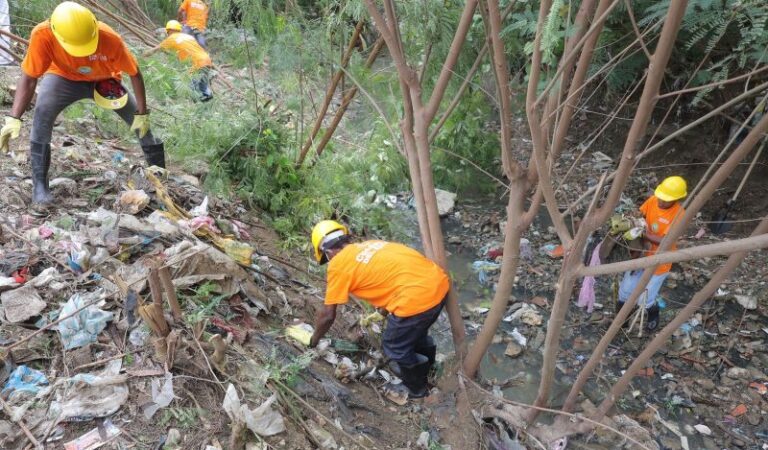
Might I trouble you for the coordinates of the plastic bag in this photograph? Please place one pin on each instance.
(83, 327)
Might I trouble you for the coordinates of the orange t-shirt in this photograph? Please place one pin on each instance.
(46, 55)
(187, 48)
(658, 222)
(386, 275)
(197, 14)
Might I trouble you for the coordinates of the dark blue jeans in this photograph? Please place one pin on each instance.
(197, 34)
(404, 334)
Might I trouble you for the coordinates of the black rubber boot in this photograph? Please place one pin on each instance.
(40, 156)
(395, 368)
(429, 349)
(415, 377)
(653, 317)
(155, 154)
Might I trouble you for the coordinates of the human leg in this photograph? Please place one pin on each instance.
(153, 148)
(55, 94)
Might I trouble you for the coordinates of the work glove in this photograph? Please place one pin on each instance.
(620, 224)
(141, 124)
(634, 233)
(299, 334)
(9, 131)
(374, 317)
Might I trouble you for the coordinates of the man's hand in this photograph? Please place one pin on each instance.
(140, 124)
(374, 317)
(9, 131)
(634, 233)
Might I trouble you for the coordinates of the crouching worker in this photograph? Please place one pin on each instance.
(187, 49)
(660, 211)
(81, 58)
(408, 287)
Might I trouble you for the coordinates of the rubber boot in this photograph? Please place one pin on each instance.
(41, 162)
(653, 317)
(415, 377)
(429, 349)
(155, 154)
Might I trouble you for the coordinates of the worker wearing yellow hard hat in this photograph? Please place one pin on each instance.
(77, 58)
(188, 50)
(403, 284)
(660, 211)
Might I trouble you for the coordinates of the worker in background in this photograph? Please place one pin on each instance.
(81, 58)
(660, 211)
(404, 285)
(193, 15)
(187, 49)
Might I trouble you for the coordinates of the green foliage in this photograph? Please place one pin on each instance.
(181, 417)
(202, 303)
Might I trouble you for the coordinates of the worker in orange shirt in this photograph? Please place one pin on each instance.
(660, 211)
(81, 58)
(193, 15)
(187, 49)
(404, 285)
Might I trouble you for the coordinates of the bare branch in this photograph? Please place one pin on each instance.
(685, 254)
(715, 84)
(637, 30)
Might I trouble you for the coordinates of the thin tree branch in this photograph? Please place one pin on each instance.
(680, 255)
(637, 30)
(715, 84)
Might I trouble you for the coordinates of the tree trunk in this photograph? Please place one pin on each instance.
(593, 220)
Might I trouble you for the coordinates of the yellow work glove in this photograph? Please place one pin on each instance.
(9, 131)
(371, 318)
(141, 124)
(634, 233)
(298, 333)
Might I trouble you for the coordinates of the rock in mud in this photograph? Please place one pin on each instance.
(738, 373)
(513, 350)
(445, 201)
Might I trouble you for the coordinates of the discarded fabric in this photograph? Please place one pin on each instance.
(24, 381)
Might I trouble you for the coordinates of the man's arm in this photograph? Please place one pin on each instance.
(137, 81)
(182, 17)
(323, 323)
(655, 238)
(25, 89)
(152, 51)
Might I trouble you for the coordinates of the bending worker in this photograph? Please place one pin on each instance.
(81, 58)
(408, 287)
(187, 49)
(193, 15)
(660, 211)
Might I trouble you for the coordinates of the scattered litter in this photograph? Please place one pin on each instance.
(301, 333)
(423, 441)
(94, 438)
(200, 210)
(703, 429)
(263, 420)
(518, 337)
(484, 268)
(133, 201)
(746, 301)
(49, 276)
(23, 382)
(87, 396)
(527, 314)
(84, 326)
(445, 201)
(324, 439)
(554, 251)
(21, 304)
(162, 396)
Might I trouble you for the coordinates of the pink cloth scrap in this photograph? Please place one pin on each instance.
(587, 293)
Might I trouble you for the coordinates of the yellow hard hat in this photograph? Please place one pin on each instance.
(173, 25)
(110, 94)
(320, 231)
(76, 29)
(671, 189)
